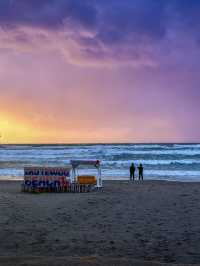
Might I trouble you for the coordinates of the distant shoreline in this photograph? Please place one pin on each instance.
(102, 143)
(10, 179)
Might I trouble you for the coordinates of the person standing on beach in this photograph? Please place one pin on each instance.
(132, 172)
(140, 169)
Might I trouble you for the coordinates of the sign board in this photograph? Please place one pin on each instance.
(46, 176)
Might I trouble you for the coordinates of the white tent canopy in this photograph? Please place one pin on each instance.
(90, 163)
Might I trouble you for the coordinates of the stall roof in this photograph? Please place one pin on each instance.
(76, 163)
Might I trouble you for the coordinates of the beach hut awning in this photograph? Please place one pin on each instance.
(77, 163)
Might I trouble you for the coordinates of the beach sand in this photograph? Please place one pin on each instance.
(127, 223)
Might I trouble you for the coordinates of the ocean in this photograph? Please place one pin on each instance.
(175, 162)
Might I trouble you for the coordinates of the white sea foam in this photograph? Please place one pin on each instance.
(156, 152)
(150, 162)
(173, 161)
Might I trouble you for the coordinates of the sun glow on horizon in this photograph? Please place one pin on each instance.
(12, 130)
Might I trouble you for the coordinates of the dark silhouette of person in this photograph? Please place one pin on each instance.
(140, 170)
(132, 172)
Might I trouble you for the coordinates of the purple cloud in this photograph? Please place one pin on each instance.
(46, 13)
(98, 31)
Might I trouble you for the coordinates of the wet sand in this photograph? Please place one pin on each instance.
(126, 224)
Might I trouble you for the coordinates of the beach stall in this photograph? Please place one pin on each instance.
(62, 179)
(93, 180)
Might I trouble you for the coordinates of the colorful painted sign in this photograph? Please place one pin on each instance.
(48, 177)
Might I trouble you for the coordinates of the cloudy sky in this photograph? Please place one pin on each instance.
(99, 71)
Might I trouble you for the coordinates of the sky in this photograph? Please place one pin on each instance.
(91, 71)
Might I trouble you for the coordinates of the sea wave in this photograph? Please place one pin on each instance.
(161, 161)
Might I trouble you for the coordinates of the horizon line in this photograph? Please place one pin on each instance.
(101, 143)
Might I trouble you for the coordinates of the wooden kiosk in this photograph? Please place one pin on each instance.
(92, 180)
(62, 179)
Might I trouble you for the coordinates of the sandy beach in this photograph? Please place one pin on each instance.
(125, 224)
